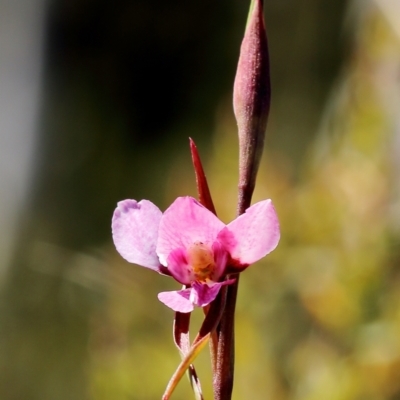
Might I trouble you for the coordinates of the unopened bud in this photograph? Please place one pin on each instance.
(251, 98)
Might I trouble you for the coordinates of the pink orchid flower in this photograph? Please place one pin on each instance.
(190, 243)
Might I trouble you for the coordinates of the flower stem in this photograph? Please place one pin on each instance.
(184, 365)
(223, 378)
(251, 103)
(182, 341)
(206, 331)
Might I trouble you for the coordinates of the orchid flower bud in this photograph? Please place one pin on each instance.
(251, 97)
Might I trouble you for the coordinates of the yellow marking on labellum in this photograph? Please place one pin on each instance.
(201, 259)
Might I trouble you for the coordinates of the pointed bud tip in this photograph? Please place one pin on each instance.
(203, 190)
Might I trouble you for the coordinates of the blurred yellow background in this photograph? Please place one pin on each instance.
(98, 101)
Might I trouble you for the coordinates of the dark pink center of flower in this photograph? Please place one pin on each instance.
(201, 259)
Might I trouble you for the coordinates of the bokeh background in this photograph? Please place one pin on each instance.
(97, 101)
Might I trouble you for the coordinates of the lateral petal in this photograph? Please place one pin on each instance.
(253, 234)
(135, 231)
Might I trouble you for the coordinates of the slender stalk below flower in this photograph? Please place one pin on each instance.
(208, 326)
(182, 341)
(184, 365)
(223, 378)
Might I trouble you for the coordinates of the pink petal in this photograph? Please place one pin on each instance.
(185, 222)
(177, 300)
(253, 234)
(179, 267)
(135, 231)
(198, 295)
(202, 294)
(221, 258)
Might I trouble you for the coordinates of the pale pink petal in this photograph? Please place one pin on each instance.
(202, 294)
(135, 231)
(253, 234)
(177, 300)
(186, 222)
(179, 267)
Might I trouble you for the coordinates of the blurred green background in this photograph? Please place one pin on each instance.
(118, 87)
